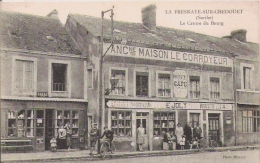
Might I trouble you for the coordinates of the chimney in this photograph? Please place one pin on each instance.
(149, 17)
(53, 14)
(239, 35)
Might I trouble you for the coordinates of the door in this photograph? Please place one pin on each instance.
(142, 117)
(49, 128)
(194, 119)
(213, 122)
(40, 130)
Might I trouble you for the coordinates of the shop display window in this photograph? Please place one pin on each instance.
(62, 117)
(121, 123)
(30, 123)
(163, 122)
(12, 123)
(16, 122)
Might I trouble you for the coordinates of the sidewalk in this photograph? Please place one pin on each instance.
(76, 154)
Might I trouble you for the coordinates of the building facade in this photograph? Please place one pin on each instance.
(158, 77)
(42, 82)
(247, 90)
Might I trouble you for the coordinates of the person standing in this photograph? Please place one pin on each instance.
(62, 137)
(68, 128)
(188, 135)
(53, 144)
(197, 132)
(179, 133)
(140, 137)
(94, 136)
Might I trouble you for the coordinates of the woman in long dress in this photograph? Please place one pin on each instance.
(68, 128)
(179, 132)
(140, 137)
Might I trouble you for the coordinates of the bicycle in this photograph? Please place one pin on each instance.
(104, 147)
(206, 143)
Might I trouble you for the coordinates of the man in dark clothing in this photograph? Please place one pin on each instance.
(197, 132)
(109, 135)
(188, 134)
(94, 137)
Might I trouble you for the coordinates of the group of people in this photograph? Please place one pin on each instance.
(185, 136)
(182, 136)
(63, 137)
(95, 137)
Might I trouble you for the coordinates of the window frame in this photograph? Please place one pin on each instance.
(195, 76)
(124, 119)
(157, 83)
(14, 90)
(66, 93)
(126, 80)
(220, 87)
(149, 82)
(242, 66)
(254, 118)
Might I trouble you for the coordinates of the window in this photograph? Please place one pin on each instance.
(142, 84)
(24, 76)
(121, 123)
(164, 85)
(163, 122)
(63, 116)
(59, 77)
(251, 120)
(214, 88)
(194, 87)
(90, 78)
(118, 82)
(247, 78)
(20, 124)
(30, 123)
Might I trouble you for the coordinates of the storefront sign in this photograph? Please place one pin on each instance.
(42, 94)
(167, 55)
(180, 84)
(168, 105)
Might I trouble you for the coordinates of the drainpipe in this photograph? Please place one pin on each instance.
(235, 97)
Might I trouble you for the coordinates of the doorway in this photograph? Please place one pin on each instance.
(49, 127)
(142, 117)
(213, 129)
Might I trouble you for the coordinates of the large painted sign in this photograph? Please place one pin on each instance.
(167, 55)
(180, 84)
(168, 105)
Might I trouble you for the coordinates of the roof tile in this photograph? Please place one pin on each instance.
(23, 31)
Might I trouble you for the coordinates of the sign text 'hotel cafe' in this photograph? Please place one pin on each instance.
(167, 55)
(167, 105)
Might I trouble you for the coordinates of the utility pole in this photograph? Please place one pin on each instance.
(101, 76)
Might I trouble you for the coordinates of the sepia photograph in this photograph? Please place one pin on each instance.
(130, 81)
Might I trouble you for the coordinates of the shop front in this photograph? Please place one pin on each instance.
(39, 121)
(158, 118)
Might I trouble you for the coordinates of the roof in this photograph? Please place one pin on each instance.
(23, 31)
(167, 36)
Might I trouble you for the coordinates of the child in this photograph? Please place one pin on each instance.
(182, 143)
(53, 144)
